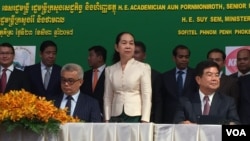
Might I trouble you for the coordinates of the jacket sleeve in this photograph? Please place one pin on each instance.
(146, 93)
(108, 95)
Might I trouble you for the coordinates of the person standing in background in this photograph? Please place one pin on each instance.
(11, 78)
(94, 78)
(140, 55)
(228, 85)
(243, 63)
(243, 77)
(45, 75)
(127, 91)
(244, 99)
(175, 83)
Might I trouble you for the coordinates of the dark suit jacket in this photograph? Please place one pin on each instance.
(234, 75)
(167, 97)
(87, 108)
(17, 81)
(155, 78)
(229, 86)
(244, 99)
(99, 89)
(35, 76)
(222, 106)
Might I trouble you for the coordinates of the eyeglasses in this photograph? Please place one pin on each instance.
(6, 53)
(69, 81)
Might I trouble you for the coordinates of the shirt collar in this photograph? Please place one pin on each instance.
(202, 95)
(101, 68)
(10, 68)
(184, 70)
(43, 67)
(241, 74)
(74, 96)
(130, 61)
(221, 73)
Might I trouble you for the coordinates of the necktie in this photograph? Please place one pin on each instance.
(3, 80)
(46, 78)
(95, 78)
(180, 82)
(68, 104)
(206, 106)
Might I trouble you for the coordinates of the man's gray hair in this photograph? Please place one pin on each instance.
(74, 67)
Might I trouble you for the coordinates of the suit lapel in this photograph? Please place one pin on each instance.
(215, 104)
(100, 80)
(40, 77)
(222, 82)
(173, 80)
(189, 76)
(58, 101)
(79, 104)
(196, 104)
(11, 79)
(186, 80)
(52, 77)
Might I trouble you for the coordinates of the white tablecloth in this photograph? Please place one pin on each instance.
(121, 132)
(190, 132)
(107, 132)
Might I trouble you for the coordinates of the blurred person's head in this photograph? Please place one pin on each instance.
(218, 56)
(140, 51)
(7, 54)
(181, 55)
(243, 60)
(97, 56)
(48, 51)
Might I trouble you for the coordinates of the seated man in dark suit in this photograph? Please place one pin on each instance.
(79, 104)
(11, 78)
(216, 107)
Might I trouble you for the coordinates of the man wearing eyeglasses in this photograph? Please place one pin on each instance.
(79, 104)
(11, 78)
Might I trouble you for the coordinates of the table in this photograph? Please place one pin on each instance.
(107, 132)
(121, 132)
(183, 132)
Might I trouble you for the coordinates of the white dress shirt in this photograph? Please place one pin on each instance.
(73, 102)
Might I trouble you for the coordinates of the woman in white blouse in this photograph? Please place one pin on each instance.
(127, 94)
